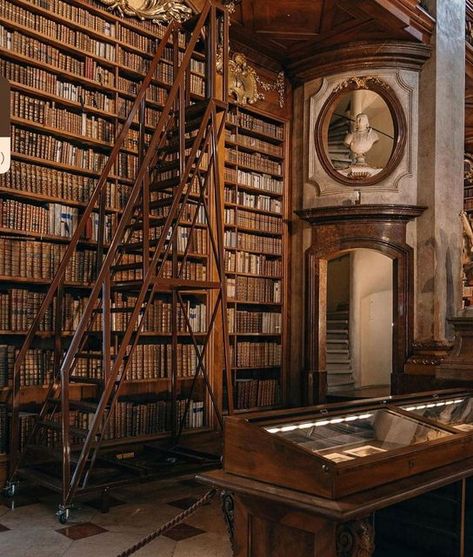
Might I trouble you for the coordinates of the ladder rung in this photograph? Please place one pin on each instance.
(77, 404)
(162, 185)
(127, 266)
(90, 407)
(89, 355)
(58, 426)
(196, 109)
(191, 125)
(173, 146)
(169, 165)
(86, 380)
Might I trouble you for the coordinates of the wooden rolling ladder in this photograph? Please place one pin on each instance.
(178, 176)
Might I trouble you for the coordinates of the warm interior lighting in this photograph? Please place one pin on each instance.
(320, 423)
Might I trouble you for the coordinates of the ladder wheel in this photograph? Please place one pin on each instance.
(63, 516)
(10, 490)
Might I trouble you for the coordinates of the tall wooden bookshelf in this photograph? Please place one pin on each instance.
(74, 70)
(256, 242)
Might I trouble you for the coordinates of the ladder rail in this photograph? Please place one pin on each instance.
(150, 275)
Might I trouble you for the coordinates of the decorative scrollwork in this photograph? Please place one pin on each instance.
(355, 539)
(243, 80)
(228, 509)
(360, 82)
(157, 11)
(279, 85)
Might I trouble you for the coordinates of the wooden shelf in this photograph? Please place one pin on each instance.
(270, 372)
(25, 195)
(253, 169)
(250, 149)
(253, 189)
(66, 167)
(259, 252)
(255, 133)
(253, 209)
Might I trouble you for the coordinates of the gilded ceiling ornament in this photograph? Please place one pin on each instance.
(156, 10)
(360, 82)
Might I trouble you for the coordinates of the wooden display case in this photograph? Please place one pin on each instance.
(345, 449)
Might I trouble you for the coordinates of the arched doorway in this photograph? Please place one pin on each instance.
(359, 326)
(337, 231)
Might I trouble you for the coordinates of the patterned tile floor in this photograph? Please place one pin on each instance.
(30, 529)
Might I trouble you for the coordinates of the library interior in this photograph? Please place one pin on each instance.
(236, 278)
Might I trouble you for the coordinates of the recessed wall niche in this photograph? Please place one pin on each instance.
(331, 107)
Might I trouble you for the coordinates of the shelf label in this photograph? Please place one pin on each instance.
(5, 134)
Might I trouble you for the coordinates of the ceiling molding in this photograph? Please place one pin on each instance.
(360, 56)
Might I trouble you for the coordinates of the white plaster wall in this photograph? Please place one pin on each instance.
(371, 317)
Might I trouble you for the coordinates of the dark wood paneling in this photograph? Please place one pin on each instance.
(292, 33)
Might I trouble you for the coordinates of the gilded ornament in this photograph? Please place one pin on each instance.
(157, 11)
(360, 82)
(243, 86)
(243, 80)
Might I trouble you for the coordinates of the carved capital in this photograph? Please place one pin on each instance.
(355, 539)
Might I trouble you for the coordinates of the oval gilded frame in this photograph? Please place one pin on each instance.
(376, 85)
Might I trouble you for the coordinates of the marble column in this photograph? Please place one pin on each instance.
(440, 183)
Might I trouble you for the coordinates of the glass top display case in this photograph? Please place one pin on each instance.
(336, 450)
(453, 411)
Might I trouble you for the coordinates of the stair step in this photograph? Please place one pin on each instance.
(174, 146)
(191, 126)
(196, 109)
(339, 367)
(163, 185)
(84, 405)
(337, 351)
(154, 222)
(86, 380)
(89, 355)
(332, 342)
(166, 166)
(58, 426)
(77, 404)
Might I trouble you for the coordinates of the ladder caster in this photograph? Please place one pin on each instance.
(63, 515)
(10, 489)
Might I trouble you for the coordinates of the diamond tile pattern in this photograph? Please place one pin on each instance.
(80, 531)
(183, 531)
(135, 511)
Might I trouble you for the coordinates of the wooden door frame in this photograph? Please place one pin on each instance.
(336, 231)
